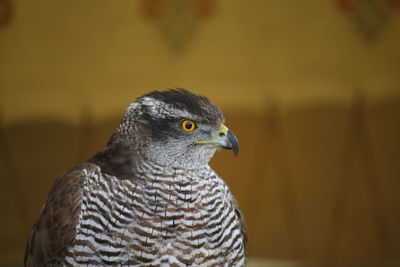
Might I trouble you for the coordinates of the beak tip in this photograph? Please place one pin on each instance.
(234, 143)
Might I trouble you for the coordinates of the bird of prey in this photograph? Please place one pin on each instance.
(149, 198)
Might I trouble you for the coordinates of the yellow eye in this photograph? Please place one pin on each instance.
(188, 125)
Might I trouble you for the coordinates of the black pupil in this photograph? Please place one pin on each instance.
(189, 125)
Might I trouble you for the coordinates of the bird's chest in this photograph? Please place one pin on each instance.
(169, 219)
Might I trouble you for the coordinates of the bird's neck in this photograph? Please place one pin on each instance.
(175, 170)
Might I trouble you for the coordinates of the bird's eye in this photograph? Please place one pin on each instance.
(188, 125)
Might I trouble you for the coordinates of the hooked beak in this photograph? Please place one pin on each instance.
(224, 139)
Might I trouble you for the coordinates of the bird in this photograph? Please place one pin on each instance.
(149, 197)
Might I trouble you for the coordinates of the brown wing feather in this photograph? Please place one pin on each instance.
(55, 228)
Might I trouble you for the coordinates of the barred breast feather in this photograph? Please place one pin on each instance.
(161, 216)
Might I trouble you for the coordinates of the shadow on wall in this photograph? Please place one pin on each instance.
(316, 184)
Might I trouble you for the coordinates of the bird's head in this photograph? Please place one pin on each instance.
(175, 126)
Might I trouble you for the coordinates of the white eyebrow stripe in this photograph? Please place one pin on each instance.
(162, 110)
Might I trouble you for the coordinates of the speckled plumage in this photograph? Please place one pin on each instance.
(149, 198)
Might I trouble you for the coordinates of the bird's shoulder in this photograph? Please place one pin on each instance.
(56, 226)
(118, 159)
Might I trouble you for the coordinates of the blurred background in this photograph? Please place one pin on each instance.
(310, 87)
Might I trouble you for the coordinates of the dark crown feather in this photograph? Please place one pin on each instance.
(183, 99)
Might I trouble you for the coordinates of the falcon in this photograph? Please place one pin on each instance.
(149, 198)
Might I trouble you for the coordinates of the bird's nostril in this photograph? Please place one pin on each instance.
(221, 134)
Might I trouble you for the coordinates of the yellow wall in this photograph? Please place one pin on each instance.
(58, 56)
